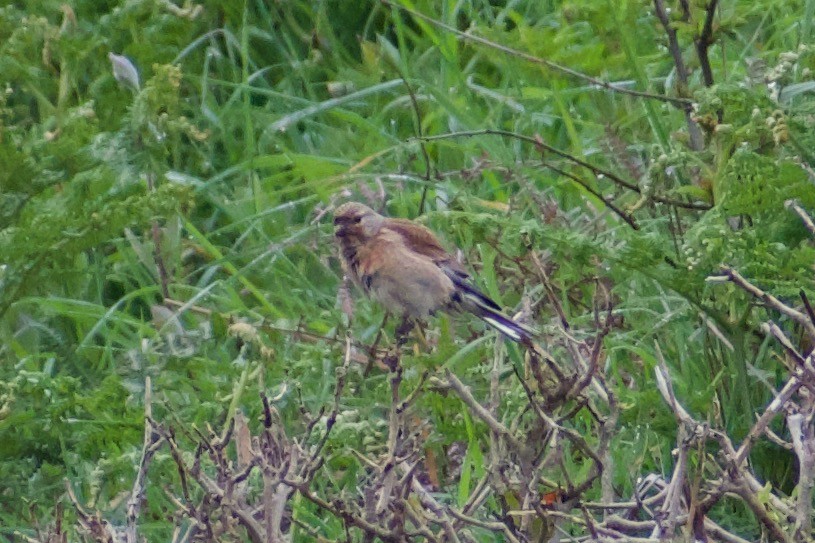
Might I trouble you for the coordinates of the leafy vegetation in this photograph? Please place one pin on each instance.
(140, 222)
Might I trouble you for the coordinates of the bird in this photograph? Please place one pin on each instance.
(401, 264)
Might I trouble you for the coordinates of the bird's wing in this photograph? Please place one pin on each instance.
(465, 296)
(470, 293)
(422, 241)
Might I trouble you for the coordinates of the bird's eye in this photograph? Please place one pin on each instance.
(357, 219)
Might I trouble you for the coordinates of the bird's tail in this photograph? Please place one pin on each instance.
(513, 330)
(469, 298)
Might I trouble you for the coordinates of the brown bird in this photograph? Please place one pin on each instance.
(403, 266)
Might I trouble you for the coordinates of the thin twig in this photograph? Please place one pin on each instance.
(596, 170)
(499, 527)
(345, 515)
(161, 267)
(800, 428)
(418, 128)
(479, 411)
(807, 305)
(629, 220)
(682, 73)
(265, 326)
(770, 412)
(704, 41)
(808, 222)
(735, 277)
(679, 102)
(151, 441)
(342, 372)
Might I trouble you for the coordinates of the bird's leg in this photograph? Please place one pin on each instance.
(420, 332)
(403, 330)
(392, 359)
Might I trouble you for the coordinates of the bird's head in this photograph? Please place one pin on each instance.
(356, 222)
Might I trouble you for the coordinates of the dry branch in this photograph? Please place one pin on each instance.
(253, 481)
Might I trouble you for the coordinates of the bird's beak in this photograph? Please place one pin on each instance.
(340, 231)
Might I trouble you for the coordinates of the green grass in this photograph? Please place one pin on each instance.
(255, 118)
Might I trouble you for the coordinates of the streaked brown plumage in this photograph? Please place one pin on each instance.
(402, 265)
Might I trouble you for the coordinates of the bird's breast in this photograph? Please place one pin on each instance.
(350, 256)
(359, 262)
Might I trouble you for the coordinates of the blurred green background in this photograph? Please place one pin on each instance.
(253, 118)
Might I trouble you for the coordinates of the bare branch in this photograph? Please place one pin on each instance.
(773, 302)
(479, 411)
(808, 222)
(772, 410)
(803, 442)
(682, 74)
(151, 442)
(704, 41)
